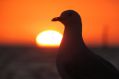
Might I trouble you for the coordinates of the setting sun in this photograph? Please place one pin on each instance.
(49, 38)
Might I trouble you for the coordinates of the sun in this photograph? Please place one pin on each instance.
(49, 38)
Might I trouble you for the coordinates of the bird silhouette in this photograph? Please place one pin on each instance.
(75, 60)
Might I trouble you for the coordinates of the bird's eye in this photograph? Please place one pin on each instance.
(69, 14)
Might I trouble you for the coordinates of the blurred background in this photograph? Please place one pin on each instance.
(21, 21)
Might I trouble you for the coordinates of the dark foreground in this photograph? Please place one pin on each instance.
(30, 62)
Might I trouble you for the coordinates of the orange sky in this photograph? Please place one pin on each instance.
(22, 20)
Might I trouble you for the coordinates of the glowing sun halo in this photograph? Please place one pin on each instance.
(49, 38)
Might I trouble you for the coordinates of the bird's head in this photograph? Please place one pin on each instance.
(68, 17)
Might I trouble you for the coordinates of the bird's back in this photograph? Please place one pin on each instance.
(85, 65)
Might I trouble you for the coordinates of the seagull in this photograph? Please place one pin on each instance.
(74, 59)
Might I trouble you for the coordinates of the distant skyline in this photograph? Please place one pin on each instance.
(22, 20)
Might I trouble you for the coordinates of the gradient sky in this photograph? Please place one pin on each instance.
(22, 20)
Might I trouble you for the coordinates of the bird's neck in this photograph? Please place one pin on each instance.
(72, 36)
(72, 44)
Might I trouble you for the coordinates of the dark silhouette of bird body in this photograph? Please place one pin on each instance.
(75, 60)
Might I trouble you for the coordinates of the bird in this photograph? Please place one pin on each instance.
(74, 59)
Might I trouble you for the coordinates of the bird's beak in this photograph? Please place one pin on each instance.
(56, 19)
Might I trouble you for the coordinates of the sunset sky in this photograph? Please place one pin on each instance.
(22, 20)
